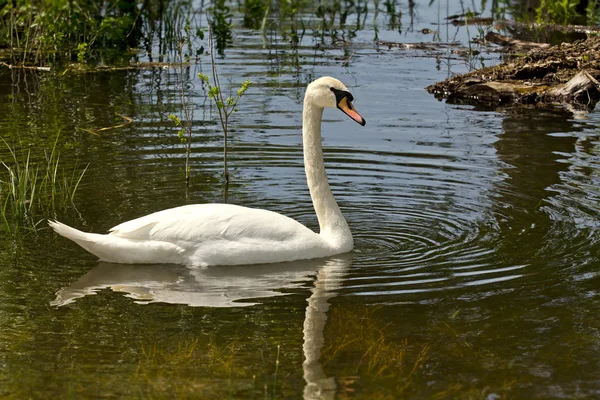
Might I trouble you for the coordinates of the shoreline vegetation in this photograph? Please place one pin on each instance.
(63, 36)
(115, 34)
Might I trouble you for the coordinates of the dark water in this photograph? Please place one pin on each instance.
(475, 273)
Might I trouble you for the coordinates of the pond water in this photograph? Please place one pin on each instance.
(476, 268)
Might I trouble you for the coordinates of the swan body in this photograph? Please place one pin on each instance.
(225, 234)
(205, 234)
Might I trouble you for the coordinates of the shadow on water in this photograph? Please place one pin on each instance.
(229, 287)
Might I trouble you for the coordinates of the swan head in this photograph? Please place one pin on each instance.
(328, 92)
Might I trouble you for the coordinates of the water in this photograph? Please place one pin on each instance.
(475, 273)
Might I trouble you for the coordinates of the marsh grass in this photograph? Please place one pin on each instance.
(221, 360)
(196, 369)
(470, 355)
(38, 32)
(357, 334)
(31, 191)
(64, 31)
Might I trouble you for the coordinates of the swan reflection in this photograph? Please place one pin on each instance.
(230, 286)
(329, 279)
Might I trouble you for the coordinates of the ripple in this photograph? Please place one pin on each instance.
(431, 211)
(420, 219)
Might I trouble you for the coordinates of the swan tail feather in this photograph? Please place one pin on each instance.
(70, 233)
(112, 248)
(92, 242)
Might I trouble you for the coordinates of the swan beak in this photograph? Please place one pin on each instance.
(346, 106)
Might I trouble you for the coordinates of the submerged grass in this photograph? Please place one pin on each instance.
(358, 334)
(200, 369)
(390, 367)
(31, 191)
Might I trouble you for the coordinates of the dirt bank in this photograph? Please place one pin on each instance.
(566, 73)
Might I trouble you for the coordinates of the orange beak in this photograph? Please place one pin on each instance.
(346, 106)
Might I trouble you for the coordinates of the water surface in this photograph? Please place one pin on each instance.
(475, 272)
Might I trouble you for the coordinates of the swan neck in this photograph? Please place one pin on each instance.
(333, 226)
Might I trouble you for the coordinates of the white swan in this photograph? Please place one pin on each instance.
(225, 234)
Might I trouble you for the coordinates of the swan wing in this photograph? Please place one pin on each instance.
(201, 222)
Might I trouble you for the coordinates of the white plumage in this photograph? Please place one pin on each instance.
(225, 234)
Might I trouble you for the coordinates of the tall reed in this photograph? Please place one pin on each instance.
(32, 191)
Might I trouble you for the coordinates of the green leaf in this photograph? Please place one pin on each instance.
(175, 119)
(203, 78)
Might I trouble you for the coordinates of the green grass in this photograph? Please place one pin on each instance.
(32, 190)
(64, 31)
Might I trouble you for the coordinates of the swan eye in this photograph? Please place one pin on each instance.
(340, 94)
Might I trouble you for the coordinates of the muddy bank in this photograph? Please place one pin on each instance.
(566, 73)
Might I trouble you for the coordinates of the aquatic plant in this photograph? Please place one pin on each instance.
(359, 333)
(169, 24)
(332, 19)
(185, 126)
(592, 12)
(255, 13)
(63, 31)
(198, 368)
(220, 25)
(556, 11)
(225, 105)
(32, 191)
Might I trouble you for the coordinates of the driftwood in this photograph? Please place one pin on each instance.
(525, 28)
(568, 73)
(84, 68)
(516, 27)
(10, 66)
(578, 89)
(415, 46)
(472, 21)
(513, 44)
(96, 132)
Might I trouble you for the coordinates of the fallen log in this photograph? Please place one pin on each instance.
(546, 29)
(581, 88)
(512, 44)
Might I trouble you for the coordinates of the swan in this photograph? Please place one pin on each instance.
(201, 235)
